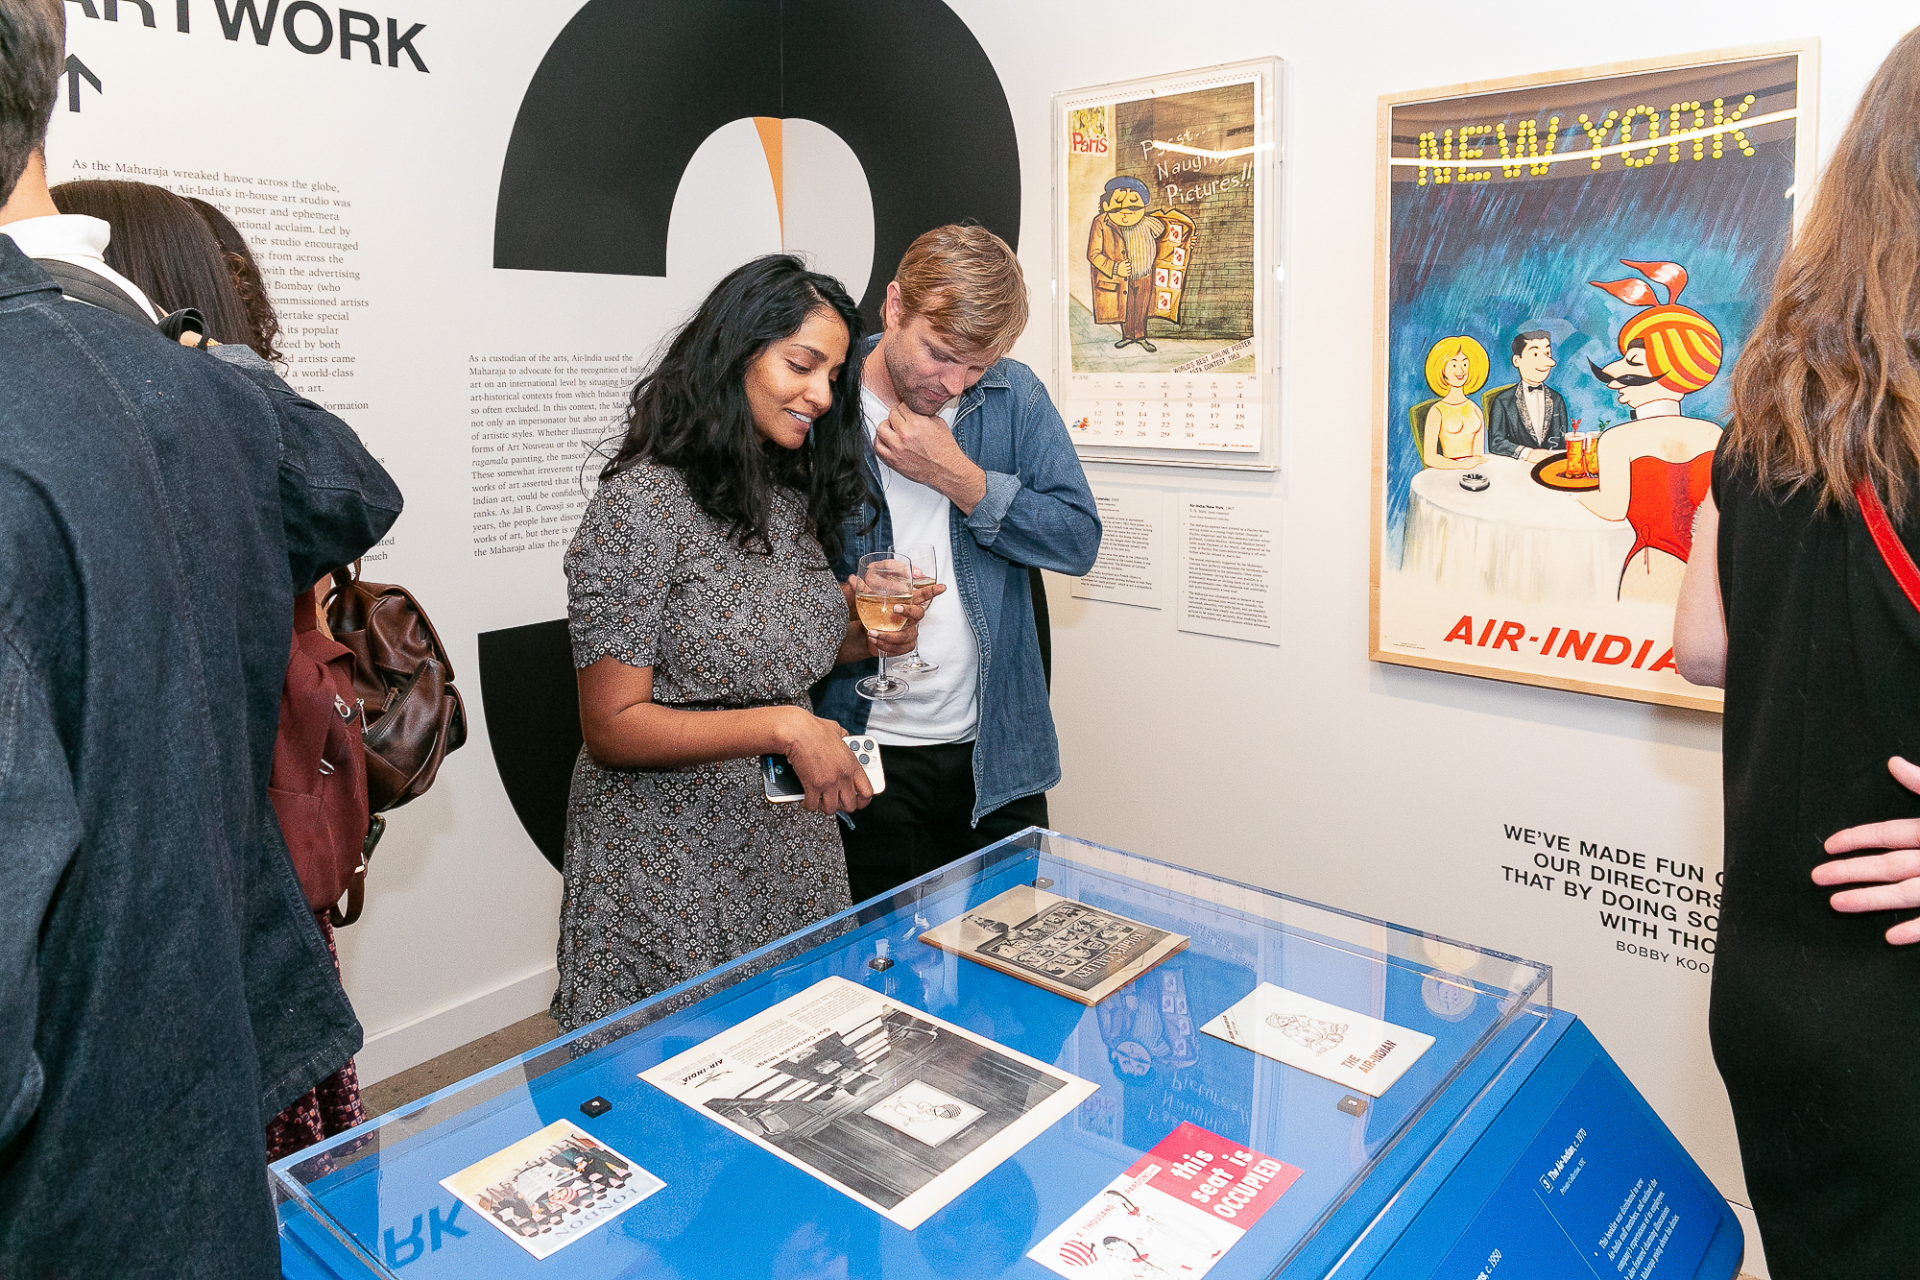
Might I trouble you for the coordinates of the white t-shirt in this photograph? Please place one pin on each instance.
(943, 706)
(77, 239)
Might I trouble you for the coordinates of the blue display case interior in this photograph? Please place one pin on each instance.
(1460, 1130)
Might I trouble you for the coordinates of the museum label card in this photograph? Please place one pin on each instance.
(882, 1102)
(1176, 1211)
(1132, 564)
(547, 1190)
(1066, 947)
(1602, 1191)
(1352, 1050)
(1229, 568)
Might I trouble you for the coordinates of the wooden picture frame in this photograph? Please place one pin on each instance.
(1604, 237)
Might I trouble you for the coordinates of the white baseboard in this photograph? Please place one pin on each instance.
(393, 1049)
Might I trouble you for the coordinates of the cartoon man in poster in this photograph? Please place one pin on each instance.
(1528, 420)
(1122, 248)
(1656, 469)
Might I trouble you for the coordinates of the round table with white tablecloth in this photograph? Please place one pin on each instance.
(1516, 538)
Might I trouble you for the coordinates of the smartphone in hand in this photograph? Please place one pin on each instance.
(783, 784)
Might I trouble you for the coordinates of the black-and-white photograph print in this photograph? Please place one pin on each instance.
(891, 1105)
(841, 1107)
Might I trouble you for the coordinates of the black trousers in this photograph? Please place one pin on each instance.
(923, 819)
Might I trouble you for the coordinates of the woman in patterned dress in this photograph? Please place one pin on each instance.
(701, 607)
(172, 249)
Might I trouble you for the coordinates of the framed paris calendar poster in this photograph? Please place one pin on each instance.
(1166, 340)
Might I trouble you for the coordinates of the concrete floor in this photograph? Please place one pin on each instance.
(457, 1064)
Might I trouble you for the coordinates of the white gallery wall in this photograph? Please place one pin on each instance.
(1304, 767)
(1384, 789)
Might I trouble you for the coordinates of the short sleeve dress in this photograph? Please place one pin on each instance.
(670, 872)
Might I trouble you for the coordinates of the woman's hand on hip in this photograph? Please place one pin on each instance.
(821, 760)
(1890, 876)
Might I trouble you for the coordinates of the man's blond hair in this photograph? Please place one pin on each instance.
(967, 284)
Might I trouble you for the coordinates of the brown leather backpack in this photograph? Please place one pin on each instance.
(401, 672)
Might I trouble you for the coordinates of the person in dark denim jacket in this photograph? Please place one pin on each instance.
(970, 457)
(163, 988)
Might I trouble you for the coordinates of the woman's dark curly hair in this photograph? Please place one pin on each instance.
(247, 279)
(690, 412)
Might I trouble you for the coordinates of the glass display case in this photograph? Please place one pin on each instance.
(718, 1191)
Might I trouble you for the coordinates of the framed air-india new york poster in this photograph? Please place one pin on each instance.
(1569, 265)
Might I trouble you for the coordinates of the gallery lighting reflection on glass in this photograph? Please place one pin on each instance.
(1213, 155)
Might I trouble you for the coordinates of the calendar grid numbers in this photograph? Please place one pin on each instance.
(1179, 411)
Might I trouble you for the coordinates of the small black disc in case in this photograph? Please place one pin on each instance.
(594, 1107)
(880, 964)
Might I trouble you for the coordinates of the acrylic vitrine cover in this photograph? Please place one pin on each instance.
(907, 1112)
(1066, 947)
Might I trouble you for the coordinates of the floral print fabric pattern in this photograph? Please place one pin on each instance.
(331, 1107)
(670, 872)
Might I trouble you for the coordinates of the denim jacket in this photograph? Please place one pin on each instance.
(1038, 512)
(163, 987)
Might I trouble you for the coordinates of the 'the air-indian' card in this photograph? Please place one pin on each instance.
(1348, 1048)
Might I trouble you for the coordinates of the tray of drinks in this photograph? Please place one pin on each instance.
(1576, 470)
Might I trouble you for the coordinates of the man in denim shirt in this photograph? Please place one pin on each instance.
(164, 990)
(971, 458)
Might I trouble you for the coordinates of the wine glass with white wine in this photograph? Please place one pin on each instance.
(925, 573)
(883, 583)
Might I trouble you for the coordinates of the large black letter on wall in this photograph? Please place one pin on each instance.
(631, 88)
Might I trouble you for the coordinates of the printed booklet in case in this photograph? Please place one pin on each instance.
(1175, 1212)
(1360, 1053)
(878, 1100)
(548, 1190)
(1064, 946)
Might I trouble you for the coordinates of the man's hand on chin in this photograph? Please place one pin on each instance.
(923, 450)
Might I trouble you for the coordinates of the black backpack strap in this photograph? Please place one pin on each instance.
(185, 320)
(90, 287)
